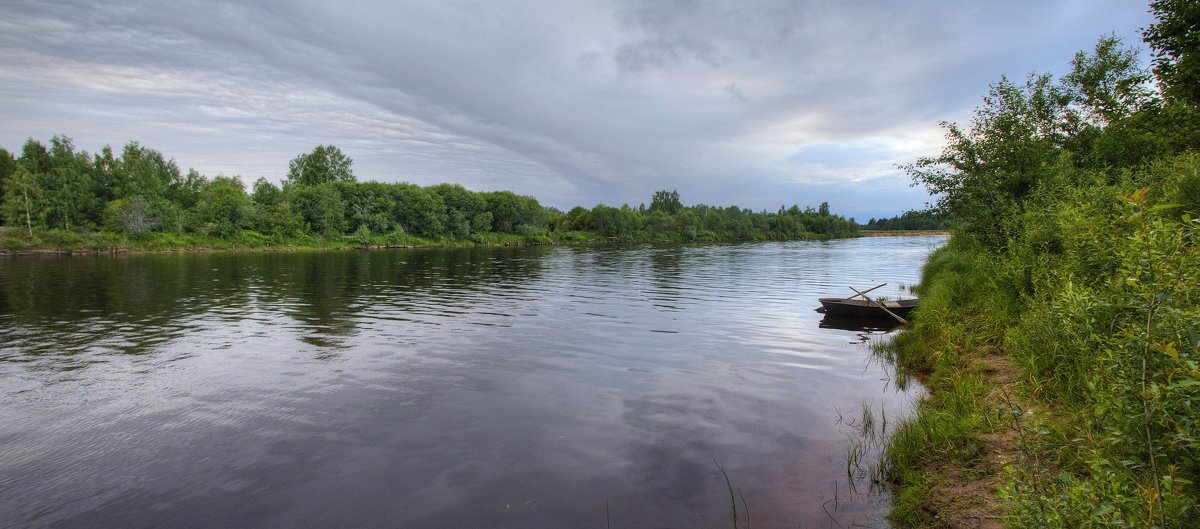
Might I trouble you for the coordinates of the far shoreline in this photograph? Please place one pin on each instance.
(901, 233)
(232, 247)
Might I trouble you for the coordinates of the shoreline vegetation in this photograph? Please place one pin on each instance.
(58, 199)
(97, 243)
(44, 243)
(901, 233)
(1058, 332)
(13, 243)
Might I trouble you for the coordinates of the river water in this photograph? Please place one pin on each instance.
(524, 388)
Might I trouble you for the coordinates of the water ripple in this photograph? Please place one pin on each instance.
(441, 388)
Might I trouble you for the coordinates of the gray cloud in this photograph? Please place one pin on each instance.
(754, 103)
(735, 92)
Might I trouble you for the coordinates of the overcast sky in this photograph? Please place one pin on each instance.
(756, 104)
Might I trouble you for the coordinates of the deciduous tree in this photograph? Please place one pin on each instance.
(325, 163)
(141, 171)
(67, 187)
(1175, 40)
(666, 201)
(224, 208)
(23, 203)
(8, 165)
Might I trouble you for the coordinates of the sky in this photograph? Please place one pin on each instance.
(758, 104)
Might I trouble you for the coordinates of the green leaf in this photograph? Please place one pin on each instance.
(1168, 348)
(1187, 383)
(1164, 207)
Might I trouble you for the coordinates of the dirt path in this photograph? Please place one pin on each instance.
(969, 497)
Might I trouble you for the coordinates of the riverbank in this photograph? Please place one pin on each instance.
(14, 242)
(1057, 331)
(1063, 387)
(947, 463)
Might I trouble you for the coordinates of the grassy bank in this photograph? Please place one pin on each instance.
(1062, 369)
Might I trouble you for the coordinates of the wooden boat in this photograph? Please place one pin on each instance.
(861, 308)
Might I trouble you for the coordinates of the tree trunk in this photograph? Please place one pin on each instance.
(28, 213)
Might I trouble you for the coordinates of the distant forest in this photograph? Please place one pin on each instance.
(911, 220)
(61, 196)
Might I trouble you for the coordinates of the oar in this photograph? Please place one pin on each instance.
(865, 291)
(880, 305)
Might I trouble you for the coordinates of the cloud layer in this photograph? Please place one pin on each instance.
(758, 104)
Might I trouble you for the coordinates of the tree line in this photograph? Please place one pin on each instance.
(138, 192)
(1076, 257)
(928, 219)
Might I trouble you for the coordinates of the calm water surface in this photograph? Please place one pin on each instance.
(530, 388)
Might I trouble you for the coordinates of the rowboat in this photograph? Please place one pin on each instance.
(861, 308)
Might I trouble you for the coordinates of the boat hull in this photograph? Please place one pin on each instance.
(858, 308)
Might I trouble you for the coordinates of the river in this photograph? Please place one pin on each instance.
(490, 387)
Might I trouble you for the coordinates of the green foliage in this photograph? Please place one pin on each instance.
(133, 216)
(1173, 39)
(984, 174)
(1078, 258)
(325, 164)
(482, 222)
(224, 208)
(1117, 349)
(702, 222)
(1182, 180)
(104, 170)
(143, 172)
(278, 219)
(510, 210)
(70, 204)
(35, 157)
(141, 196)
(189, 190)
(23, 204)
(417, 210)
(1109, 84)
(666, 202)
(321, 206)
(911, 220)
(265, 193)
(464, 210)
(8, 166)
(1101, 115)
(369, 206)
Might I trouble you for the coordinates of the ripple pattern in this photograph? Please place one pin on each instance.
(434, 388)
